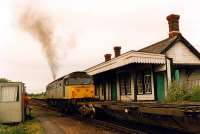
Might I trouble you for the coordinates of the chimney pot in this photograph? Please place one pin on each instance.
(173, 21)
(107, 57)
(117, 50)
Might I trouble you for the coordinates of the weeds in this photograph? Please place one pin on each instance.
(179, 93)
(195, 93)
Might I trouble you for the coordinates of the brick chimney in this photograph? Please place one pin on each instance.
(173, 21)
(107, 57)
(117, 50)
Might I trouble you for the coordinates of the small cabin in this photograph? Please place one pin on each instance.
(11, 102)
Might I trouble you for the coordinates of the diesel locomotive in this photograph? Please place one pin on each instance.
(67, 92)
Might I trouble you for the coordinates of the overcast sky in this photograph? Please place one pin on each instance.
(97, 26)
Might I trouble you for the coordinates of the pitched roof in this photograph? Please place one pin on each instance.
(159, 47)
(164, 45)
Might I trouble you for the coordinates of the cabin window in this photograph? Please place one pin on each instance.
(9, 94)
(125, 83)
(144, 82)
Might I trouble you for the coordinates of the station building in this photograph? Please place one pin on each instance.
(146, 74)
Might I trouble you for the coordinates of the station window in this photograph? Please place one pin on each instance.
(125, 83)
(140, 84)
(144, 82)
(147, 83)
(103, 91)
(97, 88)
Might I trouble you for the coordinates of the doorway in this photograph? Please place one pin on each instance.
(160, 87)
(113, 90)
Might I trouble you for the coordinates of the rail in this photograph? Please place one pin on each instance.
(115, 127)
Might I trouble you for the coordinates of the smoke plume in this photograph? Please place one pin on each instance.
(41, 28)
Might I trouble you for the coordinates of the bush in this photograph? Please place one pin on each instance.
(195, 93)
(177, 93)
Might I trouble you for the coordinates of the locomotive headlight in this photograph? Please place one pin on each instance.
(126, 110)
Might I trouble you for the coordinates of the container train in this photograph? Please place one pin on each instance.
(66, 93)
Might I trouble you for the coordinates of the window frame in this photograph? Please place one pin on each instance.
(148, 91)
(142, 84)
(17, 95)
(144, 74)
(125, 83)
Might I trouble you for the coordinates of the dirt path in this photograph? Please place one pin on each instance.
(54, 123)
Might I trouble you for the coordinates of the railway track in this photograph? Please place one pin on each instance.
(116, 128)
(113, 127)
(41, 104)
(106, 125)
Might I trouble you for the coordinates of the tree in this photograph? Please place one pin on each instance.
(3, 80)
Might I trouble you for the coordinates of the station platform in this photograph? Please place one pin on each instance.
(184, 116)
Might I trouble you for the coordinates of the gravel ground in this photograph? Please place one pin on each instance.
(54, 123)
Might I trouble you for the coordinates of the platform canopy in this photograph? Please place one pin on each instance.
(125, 59)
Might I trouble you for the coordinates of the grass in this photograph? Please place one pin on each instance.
(6, 129)
(32, 126)
(178, 93)
(37, 96)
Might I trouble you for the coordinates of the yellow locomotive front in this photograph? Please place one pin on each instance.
(72, 92)
(79, 85)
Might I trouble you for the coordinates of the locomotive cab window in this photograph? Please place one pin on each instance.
(79, 81)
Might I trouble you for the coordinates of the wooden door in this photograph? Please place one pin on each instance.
(160, 87)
